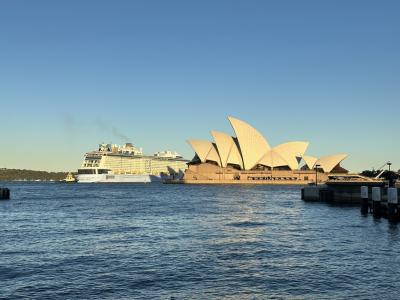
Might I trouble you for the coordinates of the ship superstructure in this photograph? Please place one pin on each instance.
(126, 163)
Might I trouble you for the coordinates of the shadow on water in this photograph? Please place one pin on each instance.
(247, 224)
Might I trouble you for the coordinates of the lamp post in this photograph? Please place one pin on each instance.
(316, 174)
(390, 175)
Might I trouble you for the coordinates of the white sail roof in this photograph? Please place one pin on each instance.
(250, 148)
(291, 151)
(272, 159)
(213, 154)
(234, 156)
(253, 145)
(310, 161)
(327, 163)
(205, 150)
(227, 149)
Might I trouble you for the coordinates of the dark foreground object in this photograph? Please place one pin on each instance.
(373, 197)
(4, 194)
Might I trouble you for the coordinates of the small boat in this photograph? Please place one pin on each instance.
(70, 178)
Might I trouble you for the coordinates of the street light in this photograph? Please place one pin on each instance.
(390, 175)
(316, 174)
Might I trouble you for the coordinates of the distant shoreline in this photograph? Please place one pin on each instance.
(30, 175)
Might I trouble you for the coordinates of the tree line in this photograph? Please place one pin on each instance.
(30, 175)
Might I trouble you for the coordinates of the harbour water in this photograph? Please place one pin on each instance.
(154, 241)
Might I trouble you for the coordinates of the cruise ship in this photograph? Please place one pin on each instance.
(114, 163)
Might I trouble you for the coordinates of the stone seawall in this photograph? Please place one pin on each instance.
(250, 182)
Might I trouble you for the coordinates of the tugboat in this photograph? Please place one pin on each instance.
(70, 178)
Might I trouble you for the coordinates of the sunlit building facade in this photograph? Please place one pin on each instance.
(247, 157)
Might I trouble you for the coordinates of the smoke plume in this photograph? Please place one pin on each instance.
(108, 127)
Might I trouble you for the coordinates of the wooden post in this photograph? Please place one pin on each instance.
(364, 200)
(392, 204)
(376, 201)
(4, 194)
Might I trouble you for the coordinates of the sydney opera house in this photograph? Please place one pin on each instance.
(249, 158)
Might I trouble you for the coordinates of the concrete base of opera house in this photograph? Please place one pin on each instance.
(259, 182)
(208, 173)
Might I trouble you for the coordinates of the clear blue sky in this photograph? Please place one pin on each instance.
(76, 73)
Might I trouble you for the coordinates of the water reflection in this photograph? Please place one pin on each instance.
(158, 241)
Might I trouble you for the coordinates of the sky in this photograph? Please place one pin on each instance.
(74, 74)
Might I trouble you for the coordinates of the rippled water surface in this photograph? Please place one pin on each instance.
(180, 242)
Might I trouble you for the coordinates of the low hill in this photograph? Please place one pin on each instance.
(17, 174)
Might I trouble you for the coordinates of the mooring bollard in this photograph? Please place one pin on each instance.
(392, 204)
(4, 194)
(364, 200)
(376, 201)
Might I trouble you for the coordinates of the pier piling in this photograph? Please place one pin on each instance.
(4, 194)
(392, 197)
(373, 197)
(376, 202)
(364, 200)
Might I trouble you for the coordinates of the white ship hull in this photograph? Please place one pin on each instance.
(117, 178)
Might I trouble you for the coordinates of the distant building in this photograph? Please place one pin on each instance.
(168, 154)
(249, 158)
